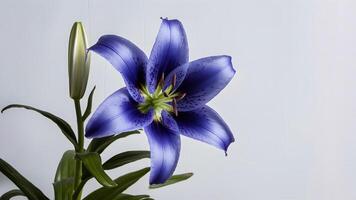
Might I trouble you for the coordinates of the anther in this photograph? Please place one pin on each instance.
(161, 81)
(174, 105)
(181, 96)
(174, 80)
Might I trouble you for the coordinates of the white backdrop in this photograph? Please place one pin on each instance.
(291, 106)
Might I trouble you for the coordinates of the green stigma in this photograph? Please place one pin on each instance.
(161, 99)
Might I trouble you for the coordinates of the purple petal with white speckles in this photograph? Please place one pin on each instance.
(204, 124)
(118, 113)
(205, 78)
(127, 58)
(165, 149)
(169, 51)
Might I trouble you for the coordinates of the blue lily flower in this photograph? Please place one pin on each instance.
(165, 94)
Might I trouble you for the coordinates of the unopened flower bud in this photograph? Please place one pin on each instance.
(78, 61)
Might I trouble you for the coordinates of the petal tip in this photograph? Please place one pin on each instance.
(154, 179)
(153, 182)
(228, 60)
(88, 135)
(226, 147)
(231, 66)
(89, 132)
(166, 20)
(92, 48)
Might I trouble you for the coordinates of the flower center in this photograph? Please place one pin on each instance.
(161, 99)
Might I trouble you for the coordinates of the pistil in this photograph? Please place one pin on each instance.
(161, 99)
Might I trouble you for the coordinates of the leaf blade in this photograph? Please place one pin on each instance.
(64, 179)
(92, 163)
(174, 179)
(31, 191)
(100, 144)
(63, 125)
(12, 193)
(89, 105)
(63, 189)
(119, 160)
(123, 183)
(125, 158)
(130, 197)
(66, 166)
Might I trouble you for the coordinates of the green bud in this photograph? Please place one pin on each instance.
(78, 61)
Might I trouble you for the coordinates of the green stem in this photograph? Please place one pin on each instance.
(78, 170)
(79, 189)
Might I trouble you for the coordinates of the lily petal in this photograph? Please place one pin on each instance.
(118, 113)
(204, 124)
(165, 148)
(205, 78)
(168, 121)
(169, 51)
(127, 58)
(179, 73)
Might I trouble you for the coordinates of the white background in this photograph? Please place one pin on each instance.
(291, 105)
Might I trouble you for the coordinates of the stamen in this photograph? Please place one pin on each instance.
(161, 81)
(174, 105)
(181, 96)
(160, 98)
(174, 80)
(159, 85)
(144, 90)
(169, 89)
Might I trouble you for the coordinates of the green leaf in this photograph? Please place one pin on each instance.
(131, 197)
(174, 179)
(135, 197)
(63, 125)
(31, 191)
(100, 144)
(123, 183)
(125, 158)
(78, 191)
(64, 179)
(92, 163)
(63, 189)
(12, 193)
(66, 167)
(119, 160)
(138, 197)
(89, 105)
